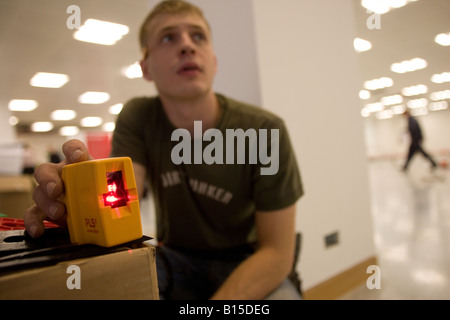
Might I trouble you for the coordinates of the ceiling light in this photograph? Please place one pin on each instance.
(91, 121)
(441, 78)
(115, 109)
(383, 6)
(443, 39)
(420, 111)
(415, 90)
(69, 131)
(397, 3)
(374, 107)
(380, 83)
(41, 126)
(365, 113)
(439, 105)
(92, 97)
(132, 71)
(61, 115)
(49, 80)
(409, 65)
(100, 32)
(13, 120)
(364, 94)
(108, 126)
(22, 105)
(385, 114)
(376, 6)
(440, 95)
(417, 103)
(361, 45)
(398, 109)
(391, 100)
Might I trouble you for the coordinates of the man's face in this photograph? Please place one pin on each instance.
(180, 58)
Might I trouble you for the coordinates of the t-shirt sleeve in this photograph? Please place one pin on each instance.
(129, 134)
(280, 188)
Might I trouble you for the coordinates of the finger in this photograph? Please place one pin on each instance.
(53, 208)
(48, 178)
(33, 221)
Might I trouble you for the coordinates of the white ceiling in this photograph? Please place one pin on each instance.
(405, 33)
(34, 37)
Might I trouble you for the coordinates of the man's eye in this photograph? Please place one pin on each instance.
(167, 38)
(198, 37)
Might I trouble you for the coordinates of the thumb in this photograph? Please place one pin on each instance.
(75, 151)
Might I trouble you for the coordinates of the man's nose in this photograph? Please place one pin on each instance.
(187, 46)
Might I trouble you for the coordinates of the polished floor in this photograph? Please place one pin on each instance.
(411, 220)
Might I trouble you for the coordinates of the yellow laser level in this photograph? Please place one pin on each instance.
(102, 202)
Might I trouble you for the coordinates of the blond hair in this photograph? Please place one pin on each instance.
(167, 7)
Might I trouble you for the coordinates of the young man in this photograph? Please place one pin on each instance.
(226, 227)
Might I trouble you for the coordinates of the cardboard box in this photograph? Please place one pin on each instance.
(126, 274)
(16, 195)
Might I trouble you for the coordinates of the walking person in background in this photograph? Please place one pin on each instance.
(416, 136)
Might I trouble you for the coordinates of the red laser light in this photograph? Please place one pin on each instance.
(116, 196)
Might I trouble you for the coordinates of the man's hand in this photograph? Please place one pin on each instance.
(48, 194)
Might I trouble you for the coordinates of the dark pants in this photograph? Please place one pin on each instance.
(184, 276)
(416, 146)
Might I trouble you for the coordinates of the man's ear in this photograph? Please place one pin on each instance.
(144, 68)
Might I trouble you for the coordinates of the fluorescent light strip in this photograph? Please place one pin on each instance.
(417, 103)
(132, 71)
(409, 65)
(440, 95)
(380, 83)
(392, 100)
(443, 39)
(69, 131)
(93, 97)
(438, 105)
(41, 126)
(441, 77)
(22, 105)
(108, 126)
(364, 94)
(49, 80)
(361, 45)
(374, 107)
(100, 32)
(384, 6)
(91, 121)
(115, 109)
(384, 114)
(62, 115)
(415, 90)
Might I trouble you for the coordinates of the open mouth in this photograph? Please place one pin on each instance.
(189, 68)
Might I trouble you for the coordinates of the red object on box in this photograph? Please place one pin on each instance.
(7, 224)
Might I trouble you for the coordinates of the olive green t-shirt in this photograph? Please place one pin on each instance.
(206, 200)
